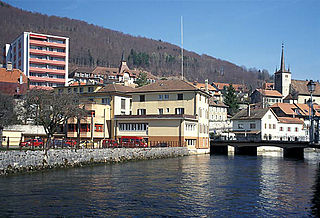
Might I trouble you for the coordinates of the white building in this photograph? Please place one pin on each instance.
(42, 58)
(263, 124)
(218, 117)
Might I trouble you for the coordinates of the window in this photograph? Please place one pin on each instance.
(160, 97)
(160, 110)
(142, 98)
(133, 126)
(296, 129)
(141, 111)
(75, 89)
(252, 125)
(60, 91)
(106, 101)
(274, 126)
(289, 129)
(180, 96)
(69, 90)
(265, 125)
(123, 104)
(166, 97)
(200, 112)
(281, 128)
(270, 126)
(168, 110)
(269, 116)
(179, 110)
(81, 89)
(240, 126)
(90, 89)
(98, 127)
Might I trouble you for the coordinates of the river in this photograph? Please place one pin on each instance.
(204, 185)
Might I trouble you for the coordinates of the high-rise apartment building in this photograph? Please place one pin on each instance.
(43, 58)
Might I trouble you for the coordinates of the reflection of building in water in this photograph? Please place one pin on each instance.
(285, 185)
(316, 195)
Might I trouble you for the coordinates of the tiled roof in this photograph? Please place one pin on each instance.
(286, 108)
(116, 88)
(168, 85)
(270, 93)
(215, 103)
(301, 87)
(41, 87)
(12, 76)
(10, 82)
(255, 114)
(290, 120)
(203, 86)
(237, 87)
(306, 109)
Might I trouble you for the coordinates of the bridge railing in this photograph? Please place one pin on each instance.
(250, 138)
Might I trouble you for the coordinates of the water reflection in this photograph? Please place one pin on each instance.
(316, 195)
(227, 186)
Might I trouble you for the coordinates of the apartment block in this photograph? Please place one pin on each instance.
(42, 58)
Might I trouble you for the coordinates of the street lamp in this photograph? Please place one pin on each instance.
(311, 88)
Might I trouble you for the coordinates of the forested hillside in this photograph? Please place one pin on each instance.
(92, 45)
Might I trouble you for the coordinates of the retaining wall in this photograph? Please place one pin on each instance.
(12, 162)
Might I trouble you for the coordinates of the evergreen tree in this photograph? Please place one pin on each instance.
(142, 79)
(231, 99)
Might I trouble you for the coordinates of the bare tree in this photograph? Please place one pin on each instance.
(7, 113)
(51, 110)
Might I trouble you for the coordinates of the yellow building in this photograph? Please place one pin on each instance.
(103, 102)
(172, 112)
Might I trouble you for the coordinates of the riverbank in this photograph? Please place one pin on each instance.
(14, 162)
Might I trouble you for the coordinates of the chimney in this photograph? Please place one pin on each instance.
(206, 85)
(248, 111)
(9, 66)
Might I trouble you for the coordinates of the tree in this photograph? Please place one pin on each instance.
(231, 99)
(7, 113)
(50, 110)
(142, 79)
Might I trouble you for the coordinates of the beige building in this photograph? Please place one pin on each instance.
(169, 111)
(103, 102)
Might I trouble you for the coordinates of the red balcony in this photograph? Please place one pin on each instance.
(44, 70)
(45, 61)
(50, 53)
(49, 44)
(46, 79)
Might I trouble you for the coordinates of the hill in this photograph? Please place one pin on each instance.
(91, 45)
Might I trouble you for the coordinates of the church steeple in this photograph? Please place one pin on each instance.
(282, 66)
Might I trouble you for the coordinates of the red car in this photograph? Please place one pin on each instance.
(133, 141)
(71, 143)
(32, 142)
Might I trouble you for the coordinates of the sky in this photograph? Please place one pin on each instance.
(245, 32)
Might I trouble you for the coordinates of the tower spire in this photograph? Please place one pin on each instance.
(282, 66)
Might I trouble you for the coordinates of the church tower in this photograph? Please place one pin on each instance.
(282, 78)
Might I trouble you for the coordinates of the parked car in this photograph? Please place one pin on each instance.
(32, 142)
(70, 142)
(86, 144)
(110, 143)
(133, 141)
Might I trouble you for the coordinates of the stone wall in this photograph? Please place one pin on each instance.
(12, 162)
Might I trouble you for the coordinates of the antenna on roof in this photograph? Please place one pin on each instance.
(181, 47)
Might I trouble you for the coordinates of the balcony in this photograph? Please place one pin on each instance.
(45, 70)
(46, 79)
(49, 44)
(51, 53)
(45, 61)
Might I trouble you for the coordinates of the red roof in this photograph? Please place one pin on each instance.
(10, 82)
(270, 93)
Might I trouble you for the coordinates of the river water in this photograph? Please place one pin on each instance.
(222, 186)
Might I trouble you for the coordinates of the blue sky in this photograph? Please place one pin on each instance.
(245, 32)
